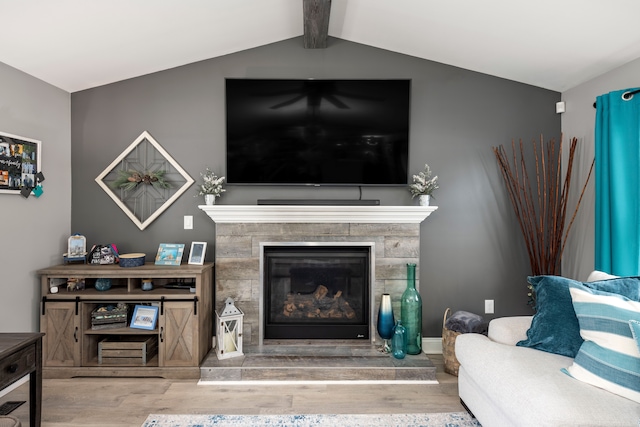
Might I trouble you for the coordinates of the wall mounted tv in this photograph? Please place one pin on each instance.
(317, 132)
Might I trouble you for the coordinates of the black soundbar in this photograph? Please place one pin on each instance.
(319, 202)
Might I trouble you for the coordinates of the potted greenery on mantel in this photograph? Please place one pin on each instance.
(423, 186)
(212, 186)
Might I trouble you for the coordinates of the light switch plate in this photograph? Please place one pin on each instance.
(188, 222)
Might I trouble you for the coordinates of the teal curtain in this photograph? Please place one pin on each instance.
(617, 144)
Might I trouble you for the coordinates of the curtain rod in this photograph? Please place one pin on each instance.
(626, 96)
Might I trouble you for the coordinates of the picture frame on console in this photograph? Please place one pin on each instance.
(144, 317)
(169, 254)
(197, 253)
(76, 247)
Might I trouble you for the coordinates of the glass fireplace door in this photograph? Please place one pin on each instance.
(316, 292)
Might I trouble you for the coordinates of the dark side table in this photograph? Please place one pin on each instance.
(21, 354)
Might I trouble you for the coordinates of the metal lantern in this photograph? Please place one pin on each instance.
(229, 331)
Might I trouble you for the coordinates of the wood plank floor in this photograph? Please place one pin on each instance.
(126, 402)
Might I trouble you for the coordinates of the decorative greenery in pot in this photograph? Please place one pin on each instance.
(424, 184)
(212, 185)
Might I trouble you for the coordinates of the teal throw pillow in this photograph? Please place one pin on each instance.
(609, 358)
(554, 327)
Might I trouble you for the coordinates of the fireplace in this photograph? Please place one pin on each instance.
(392, 234)
(316, 291)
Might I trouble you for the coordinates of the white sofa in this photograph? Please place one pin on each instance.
(505, 385)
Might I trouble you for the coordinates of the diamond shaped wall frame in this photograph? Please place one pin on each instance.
(145, 202)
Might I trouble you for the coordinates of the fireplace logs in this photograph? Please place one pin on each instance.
(318, 305)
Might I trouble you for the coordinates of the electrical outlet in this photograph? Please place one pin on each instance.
(188, 222)
(488, 306)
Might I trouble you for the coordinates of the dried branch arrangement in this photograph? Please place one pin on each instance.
(540, 201)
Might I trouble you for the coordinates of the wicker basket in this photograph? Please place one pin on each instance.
(451, 363)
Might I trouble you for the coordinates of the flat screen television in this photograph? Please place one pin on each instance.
(317, 132)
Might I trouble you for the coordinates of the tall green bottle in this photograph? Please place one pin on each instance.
(411, 312)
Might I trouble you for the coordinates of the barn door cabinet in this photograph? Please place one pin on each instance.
(75, 345)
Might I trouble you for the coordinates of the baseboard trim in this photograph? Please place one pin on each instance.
(432, 345)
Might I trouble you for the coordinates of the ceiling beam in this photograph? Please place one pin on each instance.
(316, 23)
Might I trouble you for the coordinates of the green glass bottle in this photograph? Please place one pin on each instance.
(411, 312)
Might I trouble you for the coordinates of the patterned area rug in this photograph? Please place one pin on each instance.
(453, 419)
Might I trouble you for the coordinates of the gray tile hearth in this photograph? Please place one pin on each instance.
(316, 362)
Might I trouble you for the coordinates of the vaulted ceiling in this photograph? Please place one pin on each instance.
(554, 44)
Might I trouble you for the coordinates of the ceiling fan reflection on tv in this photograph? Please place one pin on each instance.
(315, 91)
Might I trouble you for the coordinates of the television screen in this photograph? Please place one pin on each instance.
(317, 132)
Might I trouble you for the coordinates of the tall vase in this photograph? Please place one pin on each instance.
(386, 321)
(209, 199)
(411, 312)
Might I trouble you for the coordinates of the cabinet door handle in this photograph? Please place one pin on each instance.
(161, 334)
(75, 334)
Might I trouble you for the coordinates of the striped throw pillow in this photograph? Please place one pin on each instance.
(635, 330)
(609, 358)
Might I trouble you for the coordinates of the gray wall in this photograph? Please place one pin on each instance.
(471, 246)
(34, 231)
(579, 121)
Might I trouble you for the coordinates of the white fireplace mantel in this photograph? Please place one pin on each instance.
(317, 214)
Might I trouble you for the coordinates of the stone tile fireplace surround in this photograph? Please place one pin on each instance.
(392, 231)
